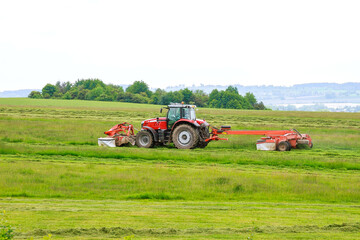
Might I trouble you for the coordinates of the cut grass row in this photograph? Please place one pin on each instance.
(340, 160)
(93, 219)
(59, 177)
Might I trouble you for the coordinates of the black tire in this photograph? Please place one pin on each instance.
(144, 139)
(202, 144)
(283, 146)
(204, 132)
(185, 137)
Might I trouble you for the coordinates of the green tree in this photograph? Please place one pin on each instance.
(48, 91)
(35, 94)
(167, 98)
(232, 90)
(227, 96)
(177, 97)
(200, 98)
(157, 95)
(138, 92)
(89, 84)
(244, 103)
(250, 98)
(139, 87)
(57, 94)
(233, 104)
(112, 91)
(63, 87)
(120, 97)
(105, 97)
(67, 95)
(74, 91)
(214, 95)
(81, 94)
(128, 97)
(139, 98)
(94, 93)
(214, 103)
(188, 95)
(260, 106)
(220, 100)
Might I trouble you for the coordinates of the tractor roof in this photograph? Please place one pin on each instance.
(179, 105)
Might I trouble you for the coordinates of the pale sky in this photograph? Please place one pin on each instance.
(167, 43)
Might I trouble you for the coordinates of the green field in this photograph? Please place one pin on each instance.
(55, 179)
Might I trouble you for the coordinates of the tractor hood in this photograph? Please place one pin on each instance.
(152, 120)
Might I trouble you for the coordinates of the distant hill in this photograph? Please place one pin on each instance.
(306, 93)
(300, 93)
(17, 93)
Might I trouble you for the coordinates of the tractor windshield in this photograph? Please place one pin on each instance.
(189, 113)
(173, 116)
(176, 113)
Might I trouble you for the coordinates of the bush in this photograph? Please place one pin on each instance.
(6, 230)
(35, 94)
(67, 96)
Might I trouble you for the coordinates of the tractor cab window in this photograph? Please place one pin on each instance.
(173, 116)
(189, 113)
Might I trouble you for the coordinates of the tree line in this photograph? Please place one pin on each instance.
(139, 92)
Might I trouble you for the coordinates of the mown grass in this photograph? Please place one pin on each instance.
(87, 180)
(181, 219)
(300, 158)
(53, 172)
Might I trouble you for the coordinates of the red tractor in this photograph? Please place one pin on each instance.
(181, 127)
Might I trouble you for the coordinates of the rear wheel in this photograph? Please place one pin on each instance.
(283, 146)
(144, 139)
(185, 137)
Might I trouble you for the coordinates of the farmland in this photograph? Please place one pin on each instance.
(54, 179)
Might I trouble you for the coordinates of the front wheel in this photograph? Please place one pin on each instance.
(283, 146)
(185, 137)
(144, 139)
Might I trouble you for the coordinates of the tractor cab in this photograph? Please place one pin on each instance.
(179, 111)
